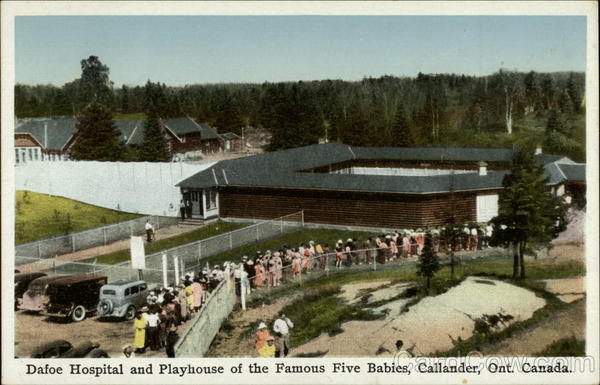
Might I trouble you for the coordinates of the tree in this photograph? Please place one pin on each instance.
(428, 261)
(94, 84)
(96, 136)
(510, 87)
(529, 215)
(154, 148)
(402, 133)
(573, 92)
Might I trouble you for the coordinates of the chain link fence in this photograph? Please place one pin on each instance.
(178, 259)
(191, 254)
(99, 236)
(293, 271)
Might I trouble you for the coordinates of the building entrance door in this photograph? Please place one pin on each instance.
(197, 209)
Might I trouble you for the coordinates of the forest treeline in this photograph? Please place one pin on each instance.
(507, 108)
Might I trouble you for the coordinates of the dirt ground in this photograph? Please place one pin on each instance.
(447, 317)
(33, 330)
(237, 338)
(163, 233)
(564, 323)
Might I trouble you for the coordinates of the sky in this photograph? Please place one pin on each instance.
(179, 50)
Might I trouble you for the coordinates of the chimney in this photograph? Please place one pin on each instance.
(538, 150)
(482, 168)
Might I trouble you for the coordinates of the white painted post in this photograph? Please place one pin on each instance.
(375, 261)
(243, 293)
(182, 265)
(39, 250)
(302, 218)
(104, 235)
(230, 242)
(73, 242)
(176, 270)
(257, 231)
(199, 252)
(164, 268)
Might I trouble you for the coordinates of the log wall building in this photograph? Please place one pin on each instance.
(451, 185)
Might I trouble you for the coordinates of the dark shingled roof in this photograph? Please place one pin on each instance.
(60, 131)
(131, 131)
(183, 126)
(229, 136)
(573, 172)
(282, 169)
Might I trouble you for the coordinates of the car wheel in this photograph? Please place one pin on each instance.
(78, 313)
(130, 313)
(105, 307)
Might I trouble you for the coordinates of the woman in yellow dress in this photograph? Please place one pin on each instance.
(189, 292)
(139, 340)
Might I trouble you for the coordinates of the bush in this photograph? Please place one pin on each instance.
(565, 347)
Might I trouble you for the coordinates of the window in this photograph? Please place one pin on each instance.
(30, 151)
(211, 199)
(36, 152)
(134, 289)
(127, 292)
(143, 287)
(17, 155)
(109, 292)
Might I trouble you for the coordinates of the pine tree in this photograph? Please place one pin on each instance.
(529, 215)
(428, 261)
(154, 148)
(96, 136)
(402, 133)
(573, 92)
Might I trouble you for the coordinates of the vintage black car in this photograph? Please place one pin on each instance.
(22, 281)
(72, 296)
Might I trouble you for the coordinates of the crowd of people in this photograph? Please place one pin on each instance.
(156, 324)
(271, 268)
(168, 308)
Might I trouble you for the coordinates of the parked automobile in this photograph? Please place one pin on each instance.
(122, 298)
(72, 296)
(22, 281)
(64, 349)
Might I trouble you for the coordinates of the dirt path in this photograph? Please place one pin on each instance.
(236, 338)
(163, 233)
(564, 323)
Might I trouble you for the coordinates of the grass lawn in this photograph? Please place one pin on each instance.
(39, 216)
(178, 240)
(320, 309)
(292, 240)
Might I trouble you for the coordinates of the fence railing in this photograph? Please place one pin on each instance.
(196, 340)
(362, 260)
(178, 259)
(99, 236)
(189, 257)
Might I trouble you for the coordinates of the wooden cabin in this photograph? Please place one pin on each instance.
(365, 186)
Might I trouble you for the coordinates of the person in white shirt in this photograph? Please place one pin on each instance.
(281, 327)
(149, 231)
(152, 322)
